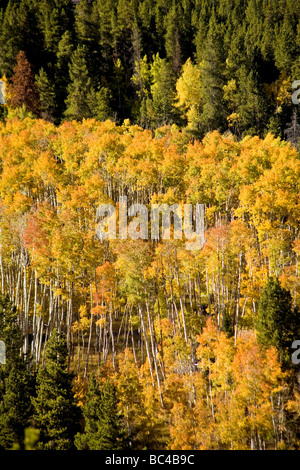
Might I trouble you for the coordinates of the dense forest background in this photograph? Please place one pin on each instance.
(204, 64)
(143, 344)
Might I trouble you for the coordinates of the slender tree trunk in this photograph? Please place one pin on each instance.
(2, 272)
(112, 337)
(181, 302)
(238, 300)
(146, 342)
(154, 355)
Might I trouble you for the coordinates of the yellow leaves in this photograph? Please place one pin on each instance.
(273, 170)
(82, 325)
(21, 203)
(188, 85)
(181, 432)
(233, 119)
(63, 293)
(296, 246)
(293, 405)
(83, 311)
(189, 92)
(258, 377)
(84, 322)
(101, 322)
(280, 90)
(46, 169)
(235, 394)
(80, 387)
(230, 90)
(251, 190)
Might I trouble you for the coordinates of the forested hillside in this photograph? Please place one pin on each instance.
(141, 343)
(204, 64)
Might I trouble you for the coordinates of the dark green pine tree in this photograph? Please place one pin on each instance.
(253, 106)
(172, 37)
(253, 26)
(16, 384)
(213, 77)
(88, 34)
(15, 407)
(285, 48)
(103, 427)
(79, 88)
(278, 323)
(106, 20)
(19, 31)
(62, 77)
(160, 109)
(10, 332)
(100, 102)
(47, 96)
(56, 414)
(85, 26)
(54, 18)
(200, 21)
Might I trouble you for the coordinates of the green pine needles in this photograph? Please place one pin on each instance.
(103, 425)
(278, 323)
(56, 414)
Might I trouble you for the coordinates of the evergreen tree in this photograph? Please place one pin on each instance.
(16, 384)
(10, 332)
(253, 106)
(160, 107)
(200, 20)
(15, 407)
(23, 90)
(54, 18)
(278, 323)
(213, 77)
(47, 97)
(100, 100)
(85, 27)
(87, 31)
(103, 428)
(120, 86)
(19, 31)
(106, 21)
(172, 37)
(285, 49)
(62, 77)
(79, 89)
(56, 414)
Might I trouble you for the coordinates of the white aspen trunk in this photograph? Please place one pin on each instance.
(33, 344)
(132, 339)
(238, 300)
(112, 336)
(154, 355)
(40, 341)
(181, 302)
(25, 311)
(207, 291)
(89, 347)
(2, 272)
(146, 342)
